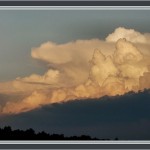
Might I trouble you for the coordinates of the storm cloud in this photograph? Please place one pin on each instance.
(84, 69)
(126, 117)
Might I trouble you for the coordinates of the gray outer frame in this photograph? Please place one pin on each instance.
(74, 3)
(74, 146)
(65, 145)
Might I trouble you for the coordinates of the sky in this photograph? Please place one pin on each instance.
(21, 30)
(83, 63)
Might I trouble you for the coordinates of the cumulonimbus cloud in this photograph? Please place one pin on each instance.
(84, 69)
(130, 34)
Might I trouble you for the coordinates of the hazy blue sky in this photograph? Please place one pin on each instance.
(20, 30)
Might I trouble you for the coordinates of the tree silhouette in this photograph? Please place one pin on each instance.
(7, 133)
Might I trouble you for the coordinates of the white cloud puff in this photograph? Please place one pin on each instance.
(126, 52)
(50, 52)
(130, 34)
(102, 67)
(50, 77)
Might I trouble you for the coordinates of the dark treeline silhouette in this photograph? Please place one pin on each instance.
(7, 133)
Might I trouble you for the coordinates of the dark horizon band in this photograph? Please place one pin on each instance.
(74, 3)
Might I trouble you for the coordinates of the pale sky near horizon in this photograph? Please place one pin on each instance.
(21, 30)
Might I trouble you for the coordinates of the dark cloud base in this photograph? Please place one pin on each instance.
(126, 117)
